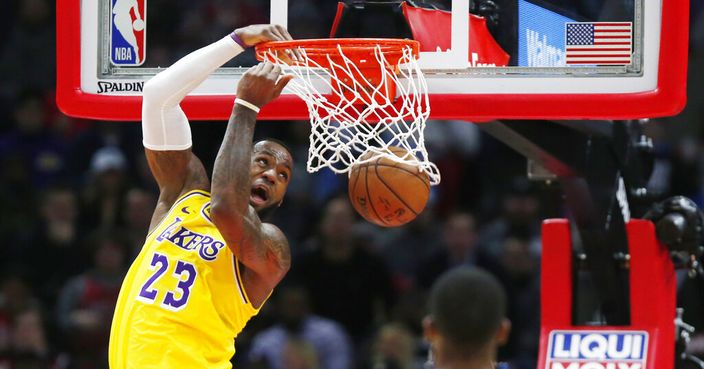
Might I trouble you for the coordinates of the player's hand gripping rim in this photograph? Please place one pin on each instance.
(256, 33)
(262, 83)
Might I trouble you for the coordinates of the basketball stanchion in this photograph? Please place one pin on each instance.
(647, 342)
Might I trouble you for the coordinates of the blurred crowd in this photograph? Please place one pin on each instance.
(76, 199)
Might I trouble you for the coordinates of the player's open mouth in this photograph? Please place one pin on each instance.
(259, 195)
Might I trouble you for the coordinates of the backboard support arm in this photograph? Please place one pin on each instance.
(600, 166)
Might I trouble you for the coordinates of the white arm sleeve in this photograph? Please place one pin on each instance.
(164, 125)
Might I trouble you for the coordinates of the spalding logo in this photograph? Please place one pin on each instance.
(597, 350)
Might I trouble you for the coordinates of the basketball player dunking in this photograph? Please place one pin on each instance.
(208, 263)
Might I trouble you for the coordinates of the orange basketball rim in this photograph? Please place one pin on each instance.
(368, 56)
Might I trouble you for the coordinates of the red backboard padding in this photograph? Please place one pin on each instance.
(432, 29)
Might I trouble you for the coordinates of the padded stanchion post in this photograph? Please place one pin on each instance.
(647, 343)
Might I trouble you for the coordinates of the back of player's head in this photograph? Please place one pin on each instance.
(467, 306)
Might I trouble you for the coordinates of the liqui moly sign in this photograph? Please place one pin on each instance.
(597, 350)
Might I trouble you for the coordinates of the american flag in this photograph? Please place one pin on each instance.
(598, 43)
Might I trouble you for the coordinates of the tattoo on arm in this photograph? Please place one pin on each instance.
(231, 181)
(263, 247)
(170, 168)
(176, 171)
(258, 246)
(280, 251)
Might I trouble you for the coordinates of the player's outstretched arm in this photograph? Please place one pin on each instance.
(165, 127)
(261, 247)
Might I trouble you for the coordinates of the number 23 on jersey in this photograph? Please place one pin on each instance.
(184, 272)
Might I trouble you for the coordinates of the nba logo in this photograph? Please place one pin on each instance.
(128, 34)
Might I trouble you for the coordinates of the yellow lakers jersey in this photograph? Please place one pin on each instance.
(182, 302)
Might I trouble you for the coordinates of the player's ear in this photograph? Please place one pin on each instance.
(503, 332)
(430, 330)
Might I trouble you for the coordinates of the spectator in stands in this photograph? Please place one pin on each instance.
(454, 147)
(458, 248)
(137, 213)
(30, 348)
(27, 55)
(328, 339)
(42, 152)
(346, 283)
(55, 253)
(520, 216)
(394, 349)
(18, 198)
(87, 302)
(519, 272)
(106, 188)
(404, 249)
(15, 298)
(299, 354)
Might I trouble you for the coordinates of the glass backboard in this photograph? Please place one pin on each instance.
(500, 59)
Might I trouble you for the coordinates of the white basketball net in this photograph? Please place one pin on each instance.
(340, 132)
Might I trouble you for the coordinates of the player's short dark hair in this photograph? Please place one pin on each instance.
(467, 306)
(276, 141)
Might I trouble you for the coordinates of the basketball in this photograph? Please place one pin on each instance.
(138, 25)
(388, 193)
